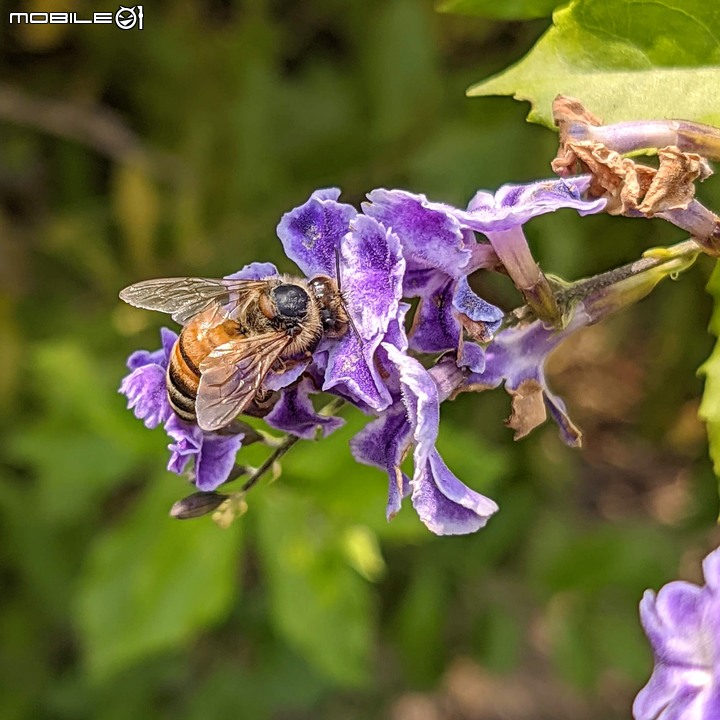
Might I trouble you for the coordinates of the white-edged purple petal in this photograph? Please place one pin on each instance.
(682, 623)
(372, 269)
(711, 570)
(213, 454)
(435, 327)
(294, 413)
(467, 302)
(311, 233)
(254, 271)
(216, 459)
(711, 703)
(420, 397)
(145, 387)
(279, 380)
(396, 337)
(383, 443)
(667, 696)
(161, 357)
(514, 205)
(431, 237)
(187, 440)
(146, 392)
(352, 372)
(444, 504)
(674, 622)
(472, 357)
(395, 334)
(418, 282)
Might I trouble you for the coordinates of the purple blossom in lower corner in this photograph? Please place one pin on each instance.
(212, 454)
(682, 622)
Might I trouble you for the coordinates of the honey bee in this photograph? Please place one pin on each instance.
(235, 332)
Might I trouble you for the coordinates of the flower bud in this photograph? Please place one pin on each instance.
(197, 505)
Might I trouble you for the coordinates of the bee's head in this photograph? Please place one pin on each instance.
(291, 303)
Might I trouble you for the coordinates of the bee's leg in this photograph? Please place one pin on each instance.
(282, 365)
(263, 402)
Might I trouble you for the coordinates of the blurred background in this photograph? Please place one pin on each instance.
(174, 150)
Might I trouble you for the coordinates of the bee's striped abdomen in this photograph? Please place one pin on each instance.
(195, 343)
(183, 379)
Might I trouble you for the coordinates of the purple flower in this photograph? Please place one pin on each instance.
(500, 218)
(516, 357)
(145, 386)
(403, 246)
(444, 504)
(439, 253)
(213, 453)
(440, 247)
(294, 413)
(682, 623)
(314, 236)
(432, 238)
(514, 205)
(311, 233)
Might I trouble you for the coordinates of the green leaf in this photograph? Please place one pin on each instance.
(152, 583)
(508, 10)
(503, 639)
(318, 603)
(624, 60)
(710, 406)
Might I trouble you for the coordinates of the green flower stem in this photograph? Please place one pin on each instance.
(282, 447)
(607, 292)
(274, 456)
(514, 253)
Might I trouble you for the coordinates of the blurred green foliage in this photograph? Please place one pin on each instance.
(175, 150)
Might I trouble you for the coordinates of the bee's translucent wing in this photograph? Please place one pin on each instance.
(231, 375)
(185, 297)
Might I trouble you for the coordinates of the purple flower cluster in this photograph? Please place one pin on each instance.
(400, 246)
(682, 623)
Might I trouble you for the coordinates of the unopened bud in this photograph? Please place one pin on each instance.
(197, 505)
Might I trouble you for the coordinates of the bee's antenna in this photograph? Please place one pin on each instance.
(344, 301)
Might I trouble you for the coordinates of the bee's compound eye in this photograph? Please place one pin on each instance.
(291, 301)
